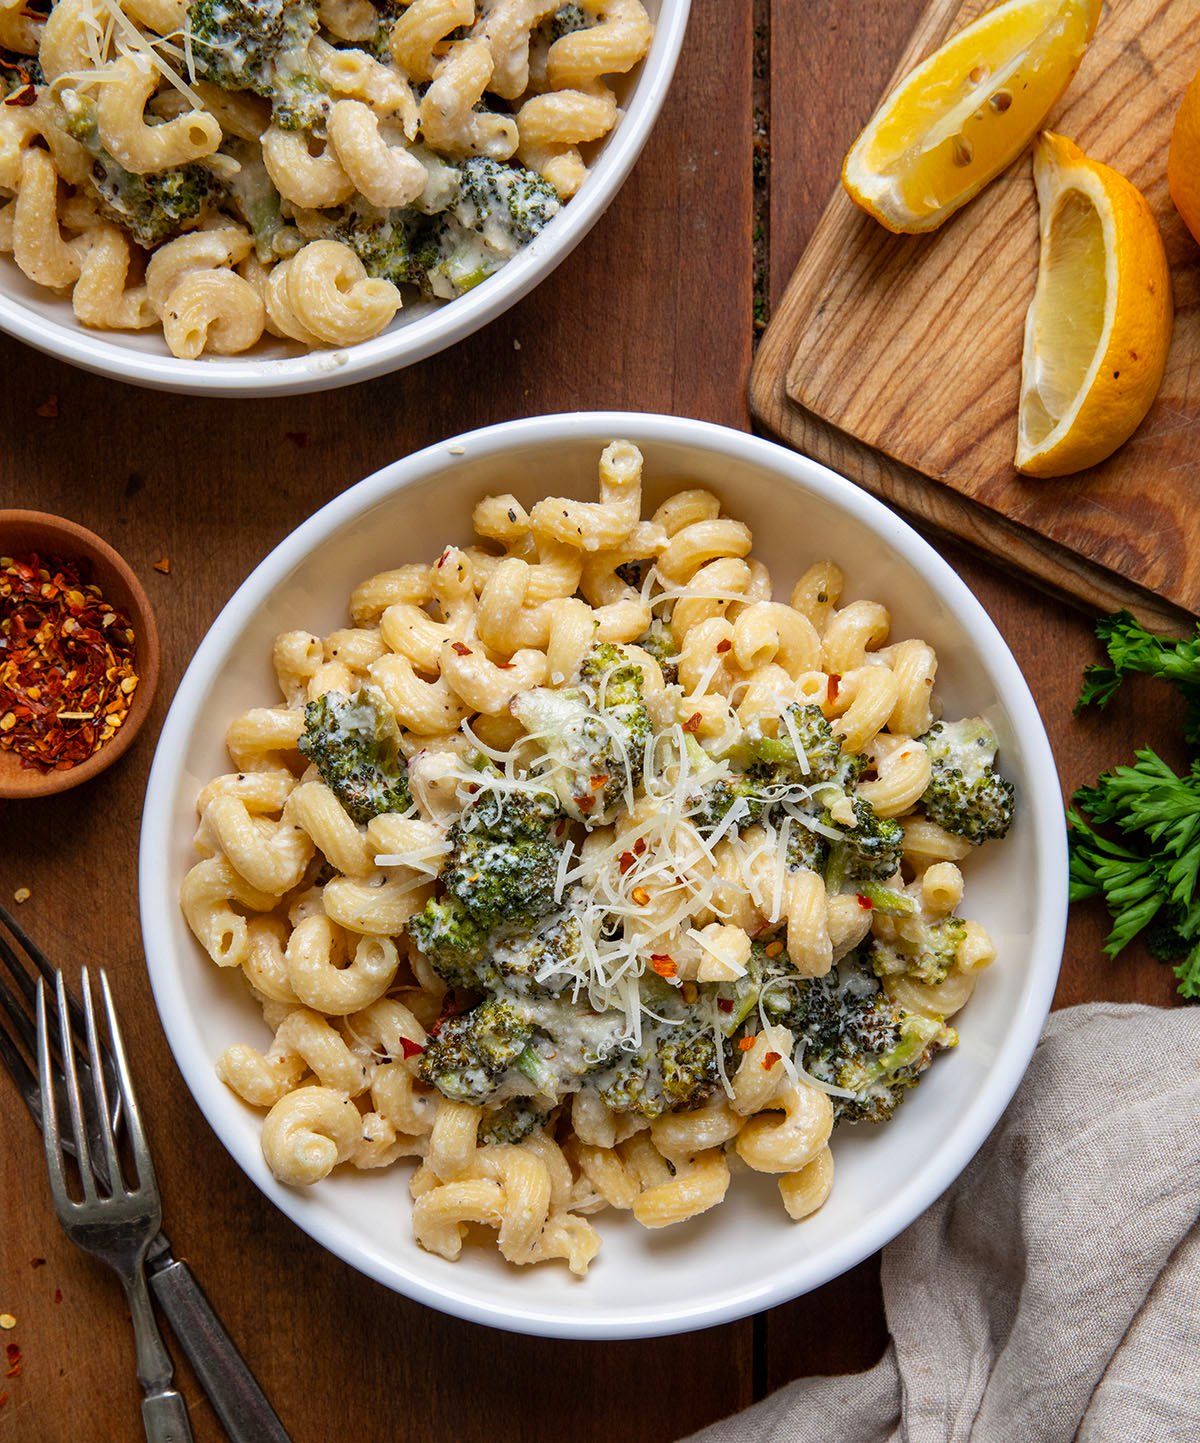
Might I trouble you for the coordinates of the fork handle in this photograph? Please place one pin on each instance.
(165, 1418)
(237, 1400)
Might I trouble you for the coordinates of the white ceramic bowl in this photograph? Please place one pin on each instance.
(42, 319)
(745, 1255)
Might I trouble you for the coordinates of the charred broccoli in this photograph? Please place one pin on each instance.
(505, 204)
(851, 1034)
(510, 1122)
(593, 735)
(454, 942)
(471, 1052)
(564, 22)
(503, 860)
(868, 851)
(675, 1067)
(354, 743)
(925, 958)
(263, 46)
(152, 208)
(966, 794)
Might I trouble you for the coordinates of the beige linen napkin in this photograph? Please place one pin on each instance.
(1053, 1294)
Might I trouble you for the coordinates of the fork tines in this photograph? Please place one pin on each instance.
(23, 965)
(94, 1142)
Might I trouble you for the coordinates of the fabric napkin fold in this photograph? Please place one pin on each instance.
(1053, 1294)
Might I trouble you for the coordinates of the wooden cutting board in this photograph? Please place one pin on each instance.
(896, 359)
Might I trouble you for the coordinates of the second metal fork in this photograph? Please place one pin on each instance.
(115, 1220)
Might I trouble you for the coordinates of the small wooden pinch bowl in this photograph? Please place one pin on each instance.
(22, 532)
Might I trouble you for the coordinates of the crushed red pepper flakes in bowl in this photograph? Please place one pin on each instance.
(74, 686)
(66, 663)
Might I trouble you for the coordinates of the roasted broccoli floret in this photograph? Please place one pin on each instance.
(354, 743)
(966, 794)
(152, 208)
(592, 736)
(511, 1122)
(470, 1053)
(496, 209)
(675, 1068)
(868, 851)
(565, 21)
(806, 849)
(926, 957)
(454, 942)
(498, 879)
(261, 45)
(506, 204)
(851, 1034)
(503, 861)
(711, 805)
(400, 246)
(659, 641)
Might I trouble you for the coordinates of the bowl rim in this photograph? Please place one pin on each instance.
(394, 349)
(1048, 927)
(78, 540)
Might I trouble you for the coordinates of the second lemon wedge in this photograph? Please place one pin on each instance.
(1099, 326)
(968, 111)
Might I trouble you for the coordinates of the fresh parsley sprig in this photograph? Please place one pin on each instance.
(1148, 879)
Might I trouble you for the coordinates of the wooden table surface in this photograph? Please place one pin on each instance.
(653, 312)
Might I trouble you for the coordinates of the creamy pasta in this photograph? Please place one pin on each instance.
(227, 169)
(576, 866)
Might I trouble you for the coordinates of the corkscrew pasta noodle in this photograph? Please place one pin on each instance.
(573, 914)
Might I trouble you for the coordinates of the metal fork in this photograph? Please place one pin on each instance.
(115, 1220)
(238, 1401)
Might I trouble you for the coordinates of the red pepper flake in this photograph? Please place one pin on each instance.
(746, 1043)
(640, 896)
(665, 966)
(13, 1352)
(625, 861)
(297, 438)
(3, 1399)
(865, 902)
(598, 782)
(693, 722)
(38, 1263)
(773, 949)
(723, 646)
(410, 1048)
(585, 804)
(163, 564)
(27, 95)
(66, 663)
(48, 410)
(639, 846)
(58, 1295)
(460, 648)
(504, 666)
(443, 558)
(770, 1059)
(725, 1004)
(833, 686)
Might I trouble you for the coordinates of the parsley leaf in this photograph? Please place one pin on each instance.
(1131, 648)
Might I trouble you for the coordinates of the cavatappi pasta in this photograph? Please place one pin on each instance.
(229, 168)
(576, 869)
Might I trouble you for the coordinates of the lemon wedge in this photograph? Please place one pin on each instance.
(1099, 326)
(968, 111)
(1183, 159)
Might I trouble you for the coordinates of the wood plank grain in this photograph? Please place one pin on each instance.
(213, 486)
(940, 399)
